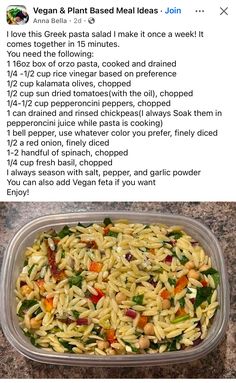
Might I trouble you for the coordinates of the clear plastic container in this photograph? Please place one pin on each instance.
(13, 262)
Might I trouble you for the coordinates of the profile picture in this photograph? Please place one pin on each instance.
(17, 15)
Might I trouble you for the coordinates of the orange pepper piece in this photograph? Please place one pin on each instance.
(95, 266)
(106, 229)
(111, 335)
(142, 321)
(181, 312)
(181, 284)
(165, 294)
(48, 303)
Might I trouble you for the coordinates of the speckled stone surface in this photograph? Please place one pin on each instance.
(219, 217)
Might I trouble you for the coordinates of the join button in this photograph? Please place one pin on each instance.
(173, 11)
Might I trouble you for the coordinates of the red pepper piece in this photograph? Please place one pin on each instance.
(96, 298)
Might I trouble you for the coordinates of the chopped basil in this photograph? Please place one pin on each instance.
(67, 345)
(26, 304)
(183, 260)
(107, 221)
(138, 299)
(76, 314)
(97, 331)
(38, 311)
(112, 234)
(76, 280)
(203, 293)
(64, 232)
(176, 234)
(214, 273)
(63, 254)
(25, 262)
(146, 227)
(182, 302)
(172, 281)
(30, 269)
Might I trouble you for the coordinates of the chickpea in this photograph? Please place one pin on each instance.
(189, 265)
(35, 323)
(166, 304)
(149, 329)
(111, 351)
(144, 342)
(25, 290)
(102, 344)
(120, 297)
(193, 274)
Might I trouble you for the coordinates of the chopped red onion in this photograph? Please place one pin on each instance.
(83, 321)
(168, 259)
(131, 313)
(129, 257)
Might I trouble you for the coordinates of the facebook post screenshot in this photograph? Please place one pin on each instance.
(117, 189)
(117, 100)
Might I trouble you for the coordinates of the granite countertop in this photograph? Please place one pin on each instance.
(219, 217)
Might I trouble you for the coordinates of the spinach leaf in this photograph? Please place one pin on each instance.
(31, 337)
(209, 271)
(82, 225)
(76, 280)
(214, 273)
(26, 304)
(154, 346)
(172, 344)
(107, 221)
(64, 231)
(67, 345)
(216, 278)
(138, 299)
(202, 294)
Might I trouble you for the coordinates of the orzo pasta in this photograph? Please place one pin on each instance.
(116, 288)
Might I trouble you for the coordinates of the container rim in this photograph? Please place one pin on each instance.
(35, 354)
